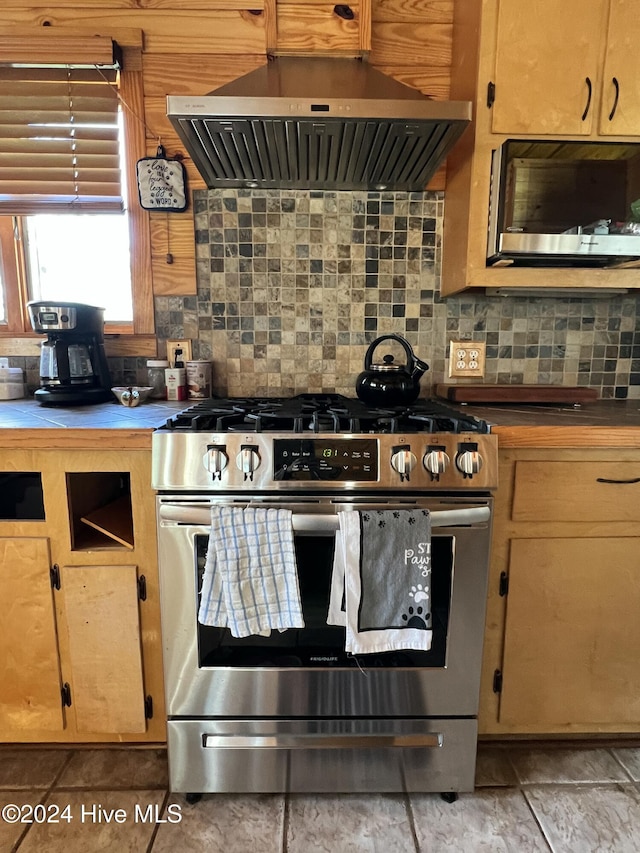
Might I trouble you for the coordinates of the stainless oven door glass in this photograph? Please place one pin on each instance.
(319, 644)
(306, 671)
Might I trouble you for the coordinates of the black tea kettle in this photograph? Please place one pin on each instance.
(389, 384)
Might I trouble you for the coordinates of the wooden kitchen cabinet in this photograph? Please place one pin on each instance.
(562, 642)
(570, 647)
(558, 68)
(81, 650)
(103, 631)
(30, 682)
(545, 54)
(528, 68)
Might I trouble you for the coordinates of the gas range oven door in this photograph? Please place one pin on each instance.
(306, 672)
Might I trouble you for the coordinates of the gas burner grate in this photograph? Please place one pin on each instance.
(322, 413)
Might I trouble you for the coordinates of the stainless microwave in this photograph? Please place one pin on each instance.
(555, 203)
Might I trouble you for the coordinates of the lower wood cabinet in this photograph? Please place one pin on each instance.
(30, 680)
(105, 654)
(562, 642)
(572, 638)
(80, 643)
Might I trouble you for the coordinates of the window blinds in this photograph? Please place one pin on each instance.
(60, 139)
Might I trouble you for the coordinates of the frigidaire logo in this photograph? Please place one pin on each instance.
(325, 659)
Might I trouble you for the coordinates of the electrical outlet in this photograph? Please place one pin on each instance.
(185, 346)
(467, 358)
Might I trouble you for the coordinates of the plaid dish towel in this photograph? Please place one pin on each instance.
(250, 582)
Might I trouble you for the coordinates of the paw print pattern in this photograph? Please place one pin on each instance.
(416, 618)
(419, 593)
(396, 514)
(411, 520)
(382, 523)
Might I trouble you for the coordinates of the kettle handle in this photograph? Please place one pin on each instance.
(411, 359)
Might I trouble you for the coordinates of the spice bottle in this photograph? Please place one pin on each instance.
(156, 378)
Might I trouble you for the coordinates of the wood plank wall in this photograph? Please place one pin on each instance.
(194, 46)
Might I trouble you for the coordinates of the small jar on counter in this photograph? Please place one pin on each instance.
(156, 378)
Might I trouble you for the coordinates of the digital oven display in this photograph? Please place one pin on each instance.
(354, 459)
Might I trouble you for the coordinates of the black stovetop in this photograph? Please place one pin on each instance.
(332, 413)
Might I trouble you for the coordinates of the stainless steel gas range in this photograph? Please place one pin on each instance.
(294, 711)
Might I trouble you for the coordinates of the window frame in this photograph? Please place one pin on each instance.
(135, 338)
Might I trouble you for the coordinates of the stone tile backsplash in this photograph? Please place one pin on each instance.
(292, 286)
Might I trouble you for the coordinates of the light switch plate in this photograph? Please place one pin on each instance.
(467, 358)
(185, 346)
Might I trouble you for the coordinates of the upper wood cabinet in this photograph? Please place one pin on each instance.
(545, 72)
(546, 66)
(567, 68)
(620, 105)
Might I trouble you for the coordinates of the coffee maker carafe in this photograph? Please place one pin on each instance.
(73, 364)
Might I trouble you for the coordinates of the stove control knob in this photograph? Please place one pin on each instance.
(215, 460)
(436, 461)
(468, 460)
(248, 460)
(403, 461)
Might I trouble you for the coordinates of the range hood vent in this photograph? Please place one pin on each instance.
(317, 123)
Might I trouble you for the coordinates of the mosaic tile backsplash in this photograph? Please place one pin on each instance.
(293, 286)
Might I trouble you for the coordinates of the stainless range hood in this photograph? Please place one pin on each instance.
(317, 123)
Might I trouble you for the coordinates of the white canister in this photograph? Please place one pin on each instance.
(11, 383)
(198, 380)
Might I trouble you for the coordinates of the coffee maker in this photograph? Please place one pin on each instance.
(73, 364)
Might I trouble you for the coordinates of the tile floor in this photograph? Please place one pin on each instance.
(526, 800)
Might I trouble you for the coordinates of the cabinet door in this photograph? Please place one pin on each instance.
(572, 635)
(546, 71)
(103, 625)
(622, 71)
(29, 663)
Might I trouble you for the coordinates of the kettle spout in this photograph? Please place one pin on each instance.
(419, 367)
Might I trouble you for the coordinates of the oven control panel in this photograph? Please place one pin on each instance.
(287, 461)
(331, 459)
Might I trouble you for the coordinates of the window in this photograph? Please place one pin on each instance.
(68, 147)
(81, 258)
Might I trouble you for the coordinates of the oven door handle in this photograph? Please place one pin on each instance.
(321, 741)
(324, 522)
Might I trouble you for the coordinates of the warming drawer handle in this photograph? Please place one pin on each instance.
(618, 482)
(321, 741)
(321, 523)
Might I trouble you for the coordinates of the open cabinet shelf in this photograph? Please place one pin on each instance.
(100, 511)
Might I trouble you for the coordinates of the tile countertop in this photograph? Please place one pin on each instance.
(602, 423)
(27, 424)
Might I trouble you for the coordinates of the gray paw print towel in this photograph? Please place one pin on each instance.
(381, 585)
